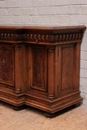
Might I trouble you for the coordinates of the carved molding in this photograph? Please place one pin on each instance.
(17, 47)
(41, 36)
(7, 36)
(53, 38)
(11, 36)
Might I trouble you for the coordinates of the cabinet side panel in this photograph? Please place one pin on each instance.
(67, 67)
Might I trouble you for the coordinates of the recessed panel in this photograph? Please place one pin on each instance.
(39, 68)
(6, 64)
(67, 67)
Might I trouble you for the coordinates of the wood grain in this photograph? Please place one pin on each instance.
(39, 66)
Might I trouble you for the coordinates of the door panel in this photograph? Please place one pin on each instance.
(38, 68)
(6, 64)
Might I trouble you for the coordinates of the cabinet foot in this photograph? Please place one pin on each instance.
(17, 108)
(50, 115)
(77, 104)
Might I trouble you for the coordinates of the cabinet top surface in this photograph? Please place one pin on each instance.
(41, 27)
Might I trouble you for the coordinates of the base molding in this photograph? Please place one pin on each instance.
(12, 98)
(55, 105)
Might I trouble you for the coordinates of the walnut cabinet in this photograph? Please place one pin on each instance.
(39, 66)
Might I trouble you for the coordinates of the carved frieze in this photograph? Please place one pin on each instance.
(53, 38)
(40, 37)
(11, 36)
(7, 36)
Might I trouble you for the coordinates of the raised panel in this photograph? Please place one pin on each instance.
(6, 64)
(39, 65)
(67, 67)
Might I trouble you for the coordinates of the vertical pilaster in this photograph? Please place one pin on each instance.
(17, 69)
(78, 64)
(56, 69)
(51, 72)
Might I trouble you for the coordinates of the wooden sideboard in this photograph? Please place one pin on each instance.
(39, 66)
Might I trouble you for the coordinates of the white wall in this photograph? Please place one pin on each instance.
(50, 12)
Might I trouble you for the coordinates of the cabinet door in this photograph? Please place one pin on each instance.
(38, 65)
(6, 64)
(68, 68)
